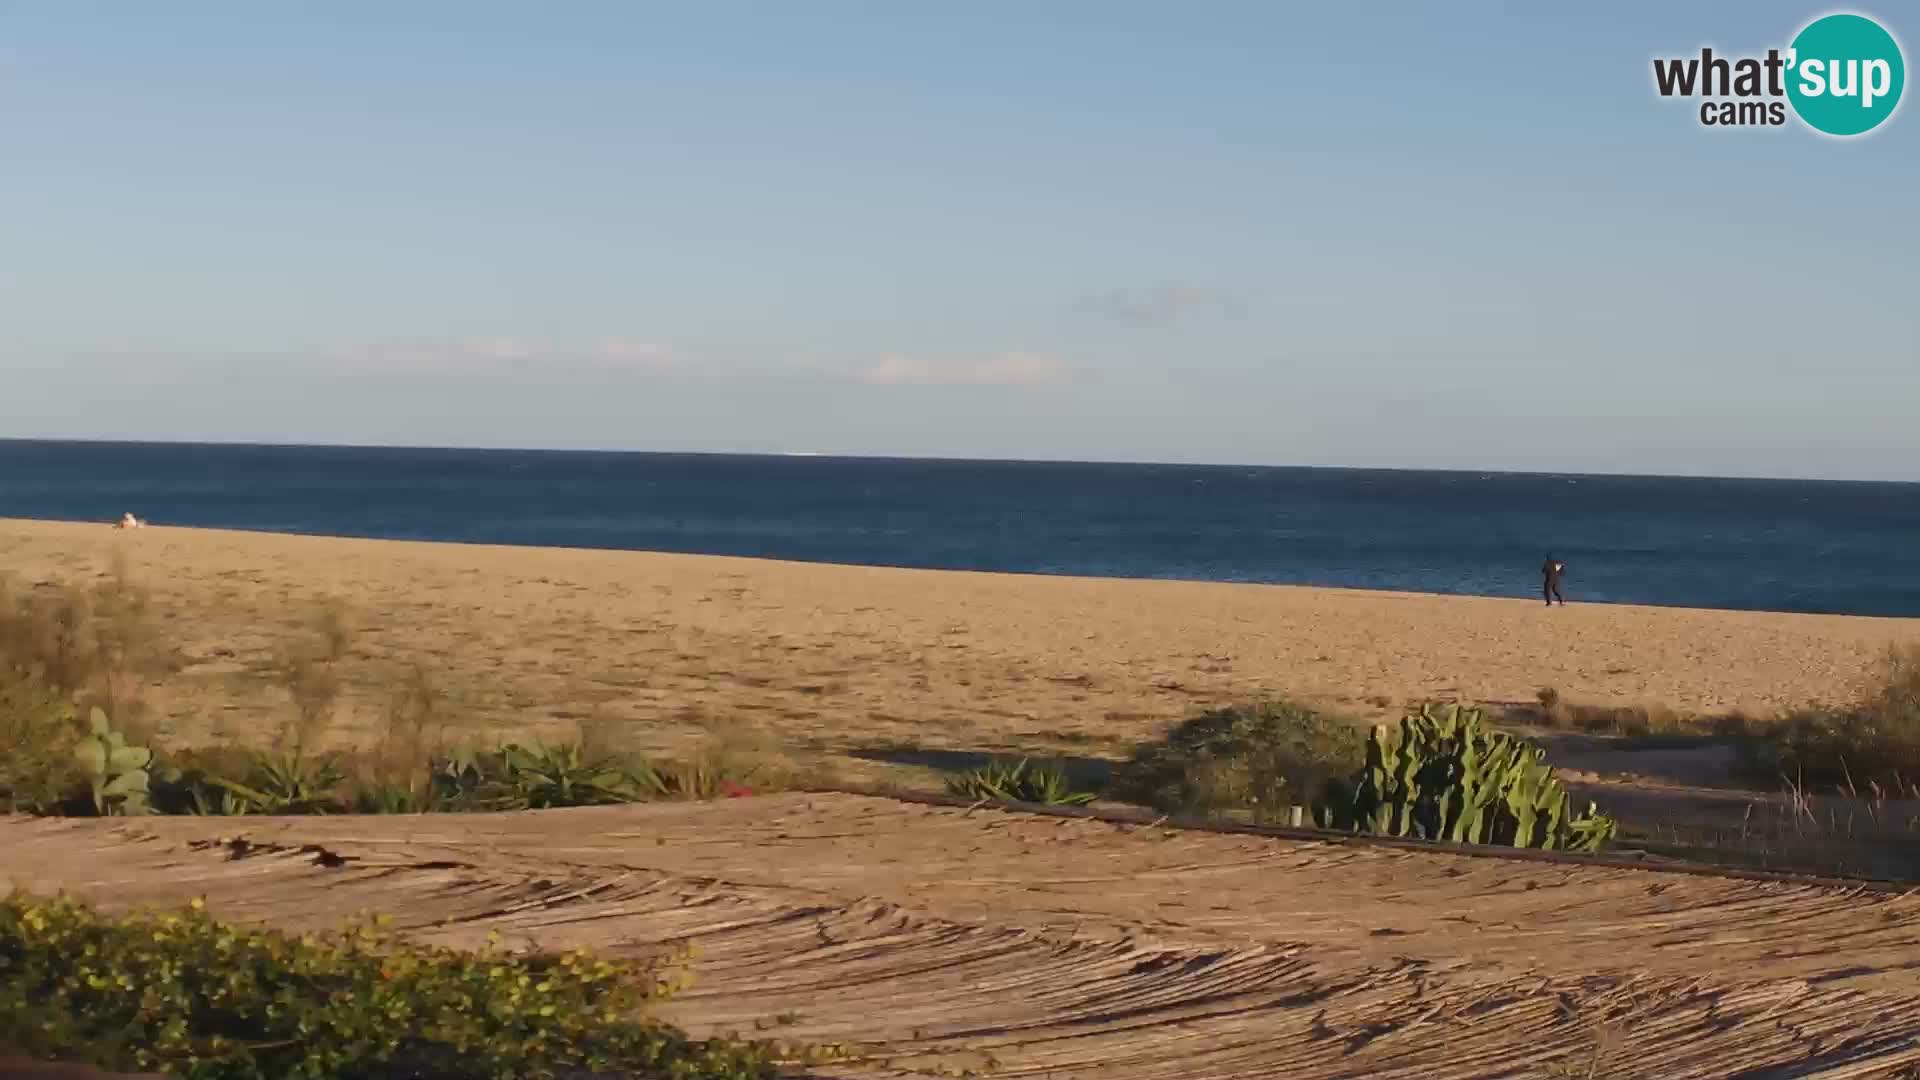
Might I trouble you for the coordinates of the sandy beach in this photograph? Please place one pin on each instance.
(956, 939)
(851, 661)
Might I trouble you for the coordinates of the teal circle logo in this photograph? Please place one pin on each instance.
(1845, 74)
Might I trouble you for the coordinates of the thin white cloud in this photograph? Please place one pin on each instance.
(492, 355)
(506, 356)
(1006, 369)
(497, 348)
(642, 355)
(1157, 307)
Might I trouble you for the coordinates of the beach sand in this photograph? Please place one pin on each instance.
(976, 939)
(993, 943)
(854, 663)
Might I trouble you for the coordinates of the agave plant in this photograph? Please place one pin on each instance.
(389, 798)
(562, 775)
(215, 801)
(285, 783)
(1019, 781)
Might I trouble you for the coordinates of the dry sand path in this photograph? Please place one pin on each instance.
(1017, 945)
(854, 660)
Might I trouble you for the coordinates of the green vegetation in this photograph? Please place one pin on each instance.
(116, 771)
(70, 658)
(1019, 781)
(1258, 760)
(510, 777)
(1442, 774)
(77, 738)
(1873, 745)
(39, 770)
(201, 999)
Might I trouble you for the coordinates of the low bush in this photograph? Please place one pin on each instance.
(1874, 743)
(1258, 759)
(200, 999)
(1019, 781)
(39, 772)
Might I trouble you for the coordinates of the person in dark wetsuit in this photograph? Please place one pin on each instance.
(1550, 572)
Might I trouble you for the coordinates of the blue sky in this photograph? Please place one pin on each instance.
(1461, 235)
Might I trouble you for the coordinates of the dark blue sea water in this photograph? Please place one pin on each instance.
(1763, 544)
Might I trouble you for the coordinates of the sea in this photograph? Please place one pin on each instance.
(1778, 545)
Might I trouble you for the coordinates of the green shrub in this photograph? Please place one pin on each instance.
(201, 999)
(1442, 774)
(188, 781)
(1019, 781)
(39, 772)
(226, 780)
(287, 782)
(563, 775)
(1875, 742)
(513, 777)
(1258, 759)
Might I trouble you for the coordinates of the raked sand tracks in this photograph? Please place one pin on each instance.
(1021, 945)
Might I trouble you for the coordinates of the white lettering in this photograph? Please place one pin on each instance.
(1813, 79)
(1875, 87)
(1850, 85)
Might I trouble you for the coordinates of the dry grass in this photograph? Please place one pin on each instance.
(67, 649)
(96, 647)
(1636, 726)
(737, 758)
(1873, 744)
(1556, 712)
(38, 734)
(1873, 834)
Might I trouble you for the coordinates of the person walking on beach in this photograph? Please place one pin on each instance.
(1550, 572)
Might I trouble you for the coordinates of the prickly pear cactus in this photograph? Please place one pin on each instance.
(1441, 774)
(117, 770)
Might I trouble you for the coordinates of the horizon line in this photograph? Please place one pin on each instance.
(947, 459)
